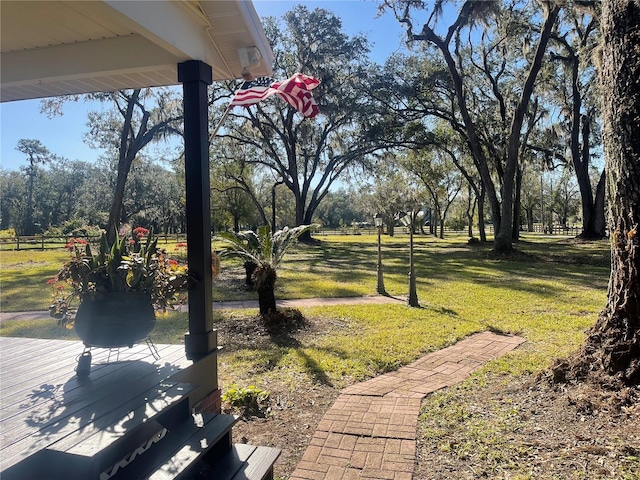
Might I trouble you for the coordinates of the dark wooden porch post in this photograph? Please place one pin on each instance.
(195, 76)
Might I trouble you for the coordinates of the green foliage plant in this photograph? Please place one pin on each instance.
(129, 265)
(265, 250)
(251, 400)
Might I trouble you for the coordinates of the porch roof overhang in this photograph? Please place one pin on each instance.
(50, 48)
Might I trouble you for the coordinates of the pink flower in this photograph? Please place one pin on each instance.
(140, 232)
(75, 241)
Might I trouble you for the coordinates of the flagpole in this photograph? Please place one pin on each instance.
(224, 116)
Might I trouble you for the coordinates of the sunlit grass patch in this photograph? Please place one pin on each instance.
(24, 275)
(295, 282)
(44, 328)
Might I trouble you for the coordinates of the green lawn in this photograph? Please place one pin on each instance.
(550, 292)
(24, 275)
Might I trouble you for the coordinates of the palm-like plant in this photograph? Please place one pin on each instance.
(265, 250)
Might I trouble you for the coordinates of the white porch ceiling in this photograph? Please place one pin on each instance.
(50, 48)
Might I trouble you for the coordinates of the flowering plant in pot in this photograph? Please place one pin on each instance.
(115, 290)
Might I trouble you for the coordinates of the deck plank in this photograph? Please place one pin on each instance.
(26, 347)
(259, 465)
(42, 400)
(57, 359)
(80, 400)
(72, 394)
(59, 374)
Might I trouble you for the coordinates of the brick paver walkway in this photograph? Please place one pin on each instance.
(370, 431)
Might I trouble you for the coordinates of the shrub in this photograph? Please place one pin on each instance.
(250, 401)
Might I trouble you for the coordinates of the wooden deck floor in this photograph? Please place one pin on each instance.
(42, 401)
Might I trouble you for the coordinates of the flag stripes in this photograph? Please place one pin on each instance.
(296, 91)
(253, 91)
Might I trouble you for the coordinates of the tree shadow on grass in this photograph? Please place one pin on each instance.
(280, 326)
(269, 339)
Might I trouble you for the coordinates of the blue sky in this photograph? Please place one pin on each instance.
(63, 136)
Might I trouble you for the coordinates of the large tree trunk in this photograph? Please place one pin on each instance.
(613, 344)
(471, 209)
(115, 213)
(504, 232)
(593, 225)
(581, 156)
(517, 206)
(599, 220)
(481, 226)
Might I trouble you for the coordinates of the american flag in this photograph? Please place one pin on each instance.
(296, 91)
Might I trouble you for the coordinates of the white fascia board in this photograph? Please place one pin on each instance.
(169, 25)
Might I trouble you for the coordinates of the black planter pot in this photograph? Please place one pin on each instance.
(114, 319)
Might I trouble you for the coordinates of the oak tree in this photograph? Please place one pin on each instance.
(613, 344)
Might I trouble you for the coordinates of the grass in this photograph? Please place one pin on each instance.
(549, 294)
(24, 275)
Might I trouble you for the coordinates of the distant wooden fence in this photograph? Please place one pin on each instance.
(43, 242)
(572, 231)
